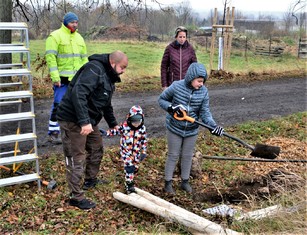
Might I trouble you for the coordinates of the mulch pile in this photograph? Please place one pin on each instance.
(119, 32)
(291, 149)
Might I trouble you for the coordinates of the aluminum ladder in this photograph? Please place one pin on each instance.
(16, 109)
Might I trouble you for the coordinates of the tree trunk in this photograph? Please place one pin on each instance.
(158, 206)
(6, 35)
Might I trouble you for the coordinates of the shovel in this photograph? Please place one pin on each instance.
(260, 150)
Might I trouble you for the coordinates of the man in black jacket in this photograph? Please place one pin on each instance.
(87, 100)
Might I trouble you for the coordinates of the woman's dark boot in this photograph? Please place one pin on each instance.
(186, 186)
(168, 188)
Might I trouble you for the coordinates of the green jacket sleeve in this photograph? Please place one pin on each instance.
(84, 54)
(51, 58)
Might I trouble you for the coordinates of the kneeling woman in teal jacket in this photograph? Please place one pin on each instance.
(192, 96)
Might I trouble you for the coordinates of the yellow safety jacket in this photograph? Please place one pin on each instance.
(65, 53)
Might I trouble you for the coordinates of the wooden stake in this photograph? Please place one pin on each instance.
(212, 48)
(229, 41)
(228, 33)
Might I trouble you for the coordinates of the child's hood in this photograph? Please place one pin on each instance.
(135, 110)
(135, 116)
(195, 70)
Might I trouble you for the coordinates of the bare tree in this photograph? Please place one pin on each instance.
(5, 35)
(226, 4)
(5, 16)
(44, 16)
(183, 13)
(298, 12)
(240, 15)
(302, 23)
(297, 7)
(162, 22)
(35, 11)
(287, 19)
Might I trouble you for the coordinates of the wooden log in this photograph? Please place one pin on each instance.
(172, 212)
(222, 26)
(267, 54)
(160, 202)
(261, 213)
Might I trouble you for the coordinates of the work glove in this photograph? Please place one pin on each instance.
(143, 156)
(218, 131)
(176, 109)
(102, 132)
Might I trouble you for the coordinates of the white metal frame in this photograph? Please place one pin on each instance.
(15, 97)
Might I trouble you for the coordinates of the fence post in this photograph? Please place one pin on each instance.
(245, 53)
(270, 46)
(299, 47)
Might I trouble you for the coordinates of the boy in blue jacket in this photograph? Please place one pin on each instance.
(192, 96)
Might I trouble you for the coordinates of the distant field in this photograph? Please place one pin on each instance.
(145, 57)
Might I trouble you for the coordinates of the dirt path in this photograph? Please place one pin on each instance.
(230, 104)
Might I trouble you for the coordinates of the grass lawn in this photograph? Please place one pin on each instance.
(143, 72)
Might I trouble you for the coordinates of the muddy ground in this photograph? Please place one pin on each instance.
(230, 104)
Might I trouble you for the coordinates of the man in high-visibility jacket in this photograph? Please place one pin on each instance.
(65, 54)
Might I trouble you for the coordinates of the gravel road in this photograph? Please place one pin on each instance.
(230, 104)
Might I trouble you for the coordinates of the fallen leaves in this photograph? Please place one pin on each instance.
(60, 209)
(291, 149)
(219, 181)
(12, 218)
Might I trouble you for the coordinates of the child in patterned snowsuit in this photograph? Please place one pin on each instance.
(133, 144)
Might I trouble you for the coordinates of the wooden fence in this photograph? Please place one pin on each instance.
(269, 51)
(302, 48)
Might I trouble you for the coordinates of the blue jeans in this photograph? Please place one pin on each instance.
(58, 93)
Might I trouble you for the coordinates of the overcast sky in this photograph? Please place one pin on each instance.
(240, 5)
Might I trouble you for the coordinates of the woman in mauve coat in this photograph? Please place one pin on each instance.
(177, 58)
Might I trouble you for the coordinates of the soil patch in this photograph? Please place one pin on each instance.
(267, 178)
(230, 104)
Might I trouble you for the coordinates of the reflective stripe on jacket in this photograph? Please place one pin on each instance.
(65, 53)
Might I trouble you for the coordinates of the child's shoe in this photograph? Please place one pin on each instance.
(130, 187)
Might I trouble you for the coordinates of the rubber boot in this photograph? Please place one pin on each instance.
(186, 186)
(168, 188)
(130, 187)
